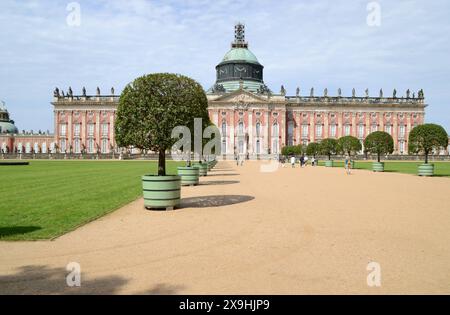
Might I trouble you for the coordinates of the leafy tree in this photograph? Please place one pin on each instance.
(328, 147)
(349, 145)
(379, 142)
(151, 106)
(288, 150)
(299, 149)
(313, 149)
(426, 138)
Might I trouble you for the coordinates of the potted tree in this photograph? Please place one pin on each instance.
(328, 147)
(349, 145)
(379, 142)
(149, 109)
(424, 139)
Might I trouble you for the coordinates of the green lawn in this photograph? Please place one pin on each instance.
(49, 198)
(441, 168)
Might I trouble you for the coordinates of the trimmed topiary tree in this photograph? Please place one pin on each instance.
(299, 149)
(149, 109)
(425, 139)
(379, 143)
(313, 149)
(328, 147)
(349, 145)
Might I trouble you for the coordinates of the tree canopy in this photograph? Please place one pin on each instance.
(426, 138)
(328, 147)
(379, 143)
(313, 149)
(349, 145)
(152, 105)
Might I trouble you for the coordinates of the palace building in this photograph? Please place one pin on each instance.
(253, 120)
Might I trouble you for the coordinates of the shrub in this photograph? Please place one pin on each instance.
(426, 138)
(379, 142)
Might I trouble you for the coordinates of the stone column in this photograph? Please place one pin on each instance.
(395, 131)
(266, 131)
(97, 130)
(69, 131)
(298, 123)
(232, 151)
(353, 130)
(312, 127)
(326, 127)
(250, 132)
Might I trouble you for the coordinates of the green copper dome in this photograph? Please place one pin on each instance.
(6, 125)
(240, 54)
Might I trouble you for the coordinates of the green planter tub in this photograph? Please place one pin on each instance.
(203, 168)
(426, 170)
(329, 163)
(378, 166)
(161, 192)
(189, 175)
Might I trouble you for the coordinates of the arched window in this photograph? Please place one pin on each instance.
(275, 130)
(258, 147)
(224, 147)
(258, 129)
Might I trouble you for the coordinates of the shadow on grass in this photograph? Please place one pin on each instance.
(219, 182)
(6, 231)
(214, 201)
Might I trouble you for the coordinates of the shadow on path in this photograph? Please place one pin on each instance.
(228, 174)
(213, 201)
(219, 182)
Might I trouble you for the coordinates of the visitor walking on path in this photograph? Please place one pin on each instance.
(313, 161)
(306, 160)
(293, 161)
(347, 165)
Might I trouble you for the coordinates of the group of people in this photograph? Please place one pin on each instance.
(304, 161)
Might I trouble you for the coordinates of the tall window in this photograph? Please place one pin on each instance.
(224, 147)
(62, 147)
(402, 131)
(388, 129)
(104, 145)
(319, 129)
(76, 143)
(241, 146)
(44, 147)
(258, 129)
(304, 131)
(91, 130)
(333, 130)
(63, 130)
(373, 128)
(105, 130)
(401, 146)
(241, 128)
(275, 130)
(36, 147)
(224, 129)
(91, 145)
(20, 147)
(291, 133)
(275, 146)
(258, 147)
(361, 131)
(76, 130)
(347, 130)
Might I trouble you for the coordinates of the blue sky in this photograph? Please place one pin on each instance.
(325, 44)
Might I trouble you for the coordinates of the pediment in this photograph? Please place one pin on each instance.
(241, 97)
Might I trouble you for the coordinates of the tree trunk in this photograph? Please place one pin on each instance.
(162, 163)
(426, 157)
(329, 157)
(379, 159)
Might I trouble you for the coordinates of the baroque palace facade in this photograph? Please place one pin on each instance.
(252, 119)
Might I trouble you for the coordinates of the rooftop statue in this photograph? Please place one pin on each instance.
(70, 92)
(408, 93)
(282, 90)
(394, 94)
(312, 92)
(98, 91)
(367, 92)
(84, 91)
(325, 92)
(339, 92)
(112, 91)
(56, 92)
(381, 93)
(297, 92)
(353, 92)
(421, 94)
(3, 105)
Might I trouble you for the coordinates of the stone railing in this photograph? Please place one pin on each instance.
(356, 100)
